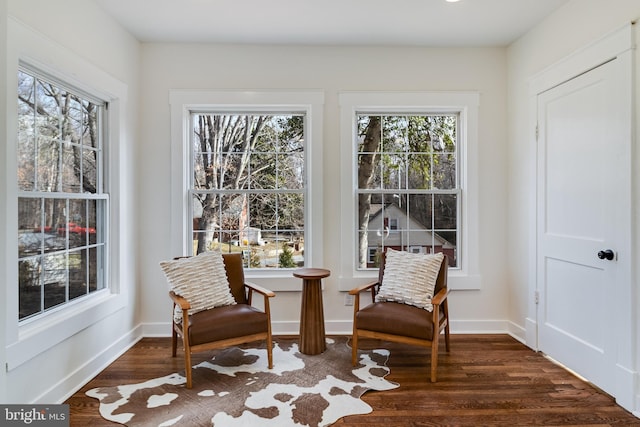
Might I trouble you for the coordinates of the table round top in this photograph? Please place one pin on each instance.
(311, 273)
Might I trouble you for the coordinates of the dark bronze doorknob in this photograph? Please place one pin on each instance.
(606, 254)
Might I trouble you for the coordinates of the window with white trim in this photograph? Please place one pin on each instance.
(62, 204)
(247, 166)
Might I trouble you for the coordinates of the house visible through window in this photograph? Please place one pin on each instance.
(407, 184)
(248, 186)
(62, 205)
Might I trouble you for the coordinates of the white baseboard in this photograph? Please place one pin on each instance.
(339, 327)
(479, 327)
(517, 332)
(531, 328)
(158, 329)
(344, 327)
(287, 328)
(277, 328)
(626, 387)
(73, 382)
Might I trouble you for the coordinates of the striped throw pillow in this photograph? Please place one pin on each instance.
(201, 280)
(410, 278)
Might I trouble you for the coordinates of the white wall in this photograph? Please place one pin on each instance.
(329, 69)
(76, 40)
(574, 26)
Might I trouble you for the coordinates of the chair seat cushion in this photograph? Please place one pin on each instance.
(230, 321)
(396, 319)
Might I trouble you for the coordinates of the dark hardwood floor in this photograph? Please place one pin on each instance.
(486, 380)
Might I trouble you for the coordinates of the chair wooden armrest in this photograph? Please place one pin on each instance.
(257, 288)
(266, 293)
(440, 296)
(364, 287)
(179, 301)
(356, 293)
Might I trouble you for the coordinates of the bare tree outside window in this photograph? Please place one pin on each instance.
(248, 190)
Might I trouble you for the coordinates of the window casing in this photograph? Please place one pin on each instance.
(62, 205)
(31, 52)
(306, 106)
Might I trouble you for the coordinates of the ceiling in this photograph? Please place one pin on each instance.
(468, 23)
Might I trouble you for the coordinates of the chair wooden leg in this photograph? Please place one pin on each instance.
(187, 367)
(187, 349)
(446, 326)
(270, 350)
(354, 348)
(187, 360)
(434, 358)
(174, 341)
(447, 344)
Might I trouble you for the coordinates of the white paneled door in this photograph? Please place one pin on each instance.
(583, 191)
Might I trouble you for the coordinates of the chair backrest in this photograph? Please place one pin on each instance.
(441, 281)
(235, 274)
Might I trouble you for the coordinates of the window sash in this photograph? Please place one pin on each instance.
(402, 234)
(78, 261)
(39, 140)
(301, 189)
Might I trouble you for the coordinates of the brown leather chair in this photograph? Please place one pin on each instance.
(403, 323)
(224, 326)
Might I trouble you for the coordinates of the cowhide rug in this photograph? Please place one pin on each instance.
(235, 388)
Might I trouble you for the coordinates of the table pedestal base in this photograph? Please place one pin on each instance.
(312, 336)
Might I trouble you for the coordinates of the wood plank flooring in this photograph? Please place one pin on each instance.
(486, 380)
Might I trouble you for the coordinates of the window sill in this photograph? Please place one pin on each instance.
(277, 281)
(40, 335)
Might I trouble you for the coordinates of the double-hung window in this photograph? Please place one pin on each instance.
(248, 186)
(62, 203)
(408, 189)
(248, 170)
(409, 162)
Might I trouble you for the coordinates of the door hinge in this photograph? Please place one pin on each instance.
(537, 130)
(536, 296)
